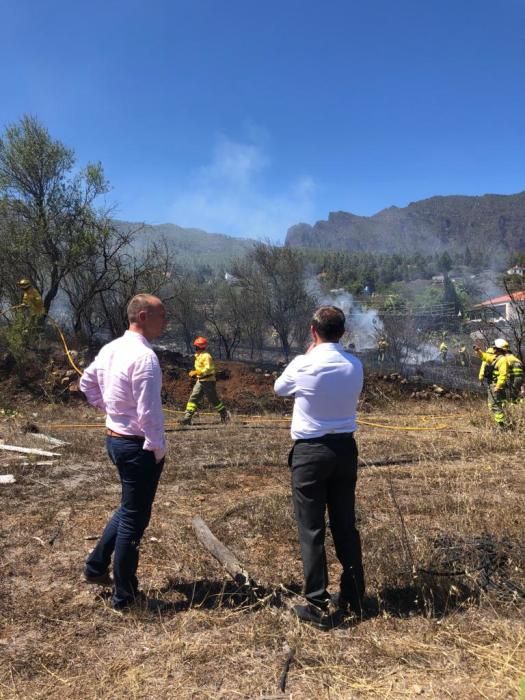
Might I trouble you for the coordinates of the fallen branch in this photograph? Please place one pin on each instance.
(221, 553)
(404, 459)
(52, 440)
(29, 451)
(62, 517)
(286, 668)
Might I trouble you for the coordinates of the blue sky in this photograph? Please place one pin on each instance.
(245, 117)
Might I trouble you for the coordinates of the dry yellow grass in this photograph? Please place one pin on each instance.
(430, 636)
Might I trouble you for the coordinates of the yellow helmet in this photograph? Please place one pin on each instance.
(25, 284)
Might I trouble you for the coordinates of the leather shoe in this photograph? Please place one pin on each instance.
(348, 607)
(321, 619)
(142, 602)
(101, 580)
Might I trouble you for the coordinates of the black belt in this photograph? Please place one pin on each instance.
(328, 437)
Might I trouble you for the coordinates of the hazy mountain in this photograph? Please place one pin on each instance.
(492, 221)
(191, 245)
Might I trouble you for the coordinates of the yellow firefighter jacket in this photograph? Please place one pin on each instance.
(501, 372)
(204, 367)
(487, 358)
(515, 365)
(33, 301)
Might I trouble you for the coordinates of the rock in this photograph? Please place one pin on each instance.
(258, 370)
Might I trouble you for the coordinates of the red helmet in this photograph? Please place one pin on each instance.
(200, 343)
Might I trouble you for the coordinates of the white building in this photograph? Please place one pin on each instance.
(499, 308)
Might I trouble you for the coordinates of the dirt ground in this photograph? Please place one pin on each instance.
(442, 530)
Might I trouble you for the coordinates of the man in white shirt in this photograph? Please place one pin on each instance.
(326, 383)
(125, 381)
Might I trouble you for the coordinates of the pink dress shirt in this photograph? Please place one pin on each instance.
(125, 381)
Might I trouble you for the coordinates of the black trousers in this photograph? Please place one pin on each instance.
(324, 476)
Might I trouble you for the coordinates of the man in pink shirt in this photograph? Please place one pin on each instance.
(125, 381)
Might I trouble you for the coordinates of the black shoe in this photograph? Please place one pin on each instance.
(142, 602)
(225, 416)
(345, 606)
(186, 420)
(321, 619)
(102, 580)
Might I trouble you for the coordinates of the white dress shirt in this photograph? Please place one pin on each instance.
(326, 383)
(125, 381)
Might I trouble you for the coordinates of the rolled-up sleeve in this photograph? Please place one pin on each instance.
(146, 382)
(90, 386)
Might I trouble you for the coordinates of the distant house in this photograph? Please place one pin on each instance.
(516, 270)
(499, 308)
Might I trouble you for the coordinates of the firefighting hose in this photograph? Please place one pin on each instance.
(256, 419)
(58, 330)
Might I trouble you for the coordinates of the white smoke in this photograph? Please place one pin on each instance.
(424, 353)
(363, 326)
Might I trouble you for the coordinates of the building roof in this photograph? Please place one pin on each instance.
(516, 296)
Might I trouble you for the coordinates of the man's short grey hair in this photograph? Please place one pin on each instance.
(140, 302)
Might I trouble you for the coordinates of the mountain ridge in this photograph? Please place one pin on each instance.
(428, 225)
(191, 245)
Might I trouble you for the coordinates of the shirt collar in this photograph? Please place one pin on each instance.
(137, 336)
(327, 346)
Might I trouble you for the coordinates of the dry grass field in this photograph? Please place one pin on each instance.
(442, 529)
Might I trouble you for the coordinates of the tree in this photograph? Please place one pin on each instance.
(185, 303)
(450, 297)
(444, 262)
(273, 279)
(223, 313)
(99, 291)
(48, 224)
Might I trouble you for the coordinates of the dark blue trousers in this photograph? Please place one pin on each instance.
(139, 475)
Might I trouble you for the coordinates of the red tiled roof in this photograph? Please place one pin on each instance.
(516, 296)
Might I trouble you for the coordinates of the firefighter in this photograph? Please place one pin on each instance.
(31, 300)
(514, 374)
(205, 385)
(487, 359)
(443, 351)
(382, 347)
(495, 373)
